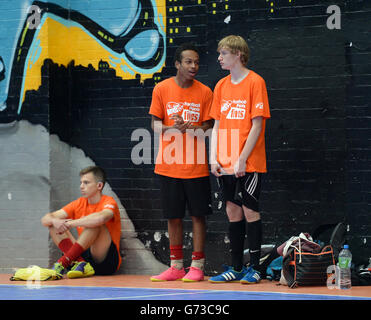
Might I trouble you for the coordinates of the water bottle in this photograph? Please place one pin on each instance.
(345, 260)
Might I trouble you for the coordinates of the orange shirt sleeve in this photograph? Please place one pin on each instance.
(156, 109)
(208, 102)
(259, 100)
(71, 208)
(110, 204)
(215, 106)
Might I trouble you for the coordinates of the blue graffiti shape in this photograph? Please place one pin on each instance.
(2, 69)
(137, 36)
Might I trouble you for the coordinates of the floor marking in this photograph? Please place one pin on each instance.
(50, 292)
(151, 295)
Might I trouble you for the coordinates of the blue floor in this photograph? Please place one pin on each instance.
(20, 292)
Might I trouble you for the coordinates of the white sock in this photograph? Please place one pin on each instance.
(200, 263)
(177, 264)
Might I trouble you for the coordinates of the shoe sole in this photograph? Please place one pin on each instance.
(232, 281)
(247, 282)
(160, 280)
(190, 280)
(74, 275)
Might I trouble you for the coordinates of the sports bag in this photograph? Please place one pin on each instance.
(300, 268)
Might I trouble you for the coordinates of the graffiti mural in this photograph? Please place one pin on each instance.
(104, 34)
(83, 71)
(43, 44)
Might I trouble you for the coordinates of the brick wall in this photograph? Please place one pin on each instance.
(357, 131)
(318, 139)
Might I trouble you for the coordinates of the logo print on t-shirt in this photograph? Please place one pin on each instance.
(189, 111)
(259, 105)
(226, 104)
(189, 115)
(234, 109)
(173, 108)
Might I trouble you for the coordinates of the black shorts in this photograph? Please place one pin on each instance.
(108, 266)
(243, 190)
(177, 194)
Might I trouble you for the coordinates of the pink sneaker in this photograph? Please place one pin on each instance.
(194, 274)
(170, 274)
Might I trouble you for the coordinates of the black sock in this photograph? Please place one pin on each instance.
(254, 237)
(237, 232)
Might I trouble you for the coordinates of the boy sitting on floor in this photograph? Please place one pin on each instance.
(97, 220)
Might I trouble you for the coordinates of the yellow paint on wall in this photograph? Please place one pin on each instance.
(62, 44)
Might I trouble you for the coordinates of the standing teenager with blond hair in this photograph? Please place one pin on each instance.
(240, 109)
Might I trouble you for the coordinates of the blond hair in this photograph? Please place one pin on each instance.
(236, 44)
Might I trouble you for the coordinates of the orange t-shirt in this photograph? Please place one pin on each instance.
(181, 155)
(235, 105)
(81, 208)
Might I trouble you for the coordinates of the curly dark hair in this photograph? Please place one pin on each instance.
(184, 47)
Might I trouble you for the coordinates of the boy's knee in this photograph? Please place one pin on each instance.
(200, 220)
(234, 212)
(251, 215)
(177, 221)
